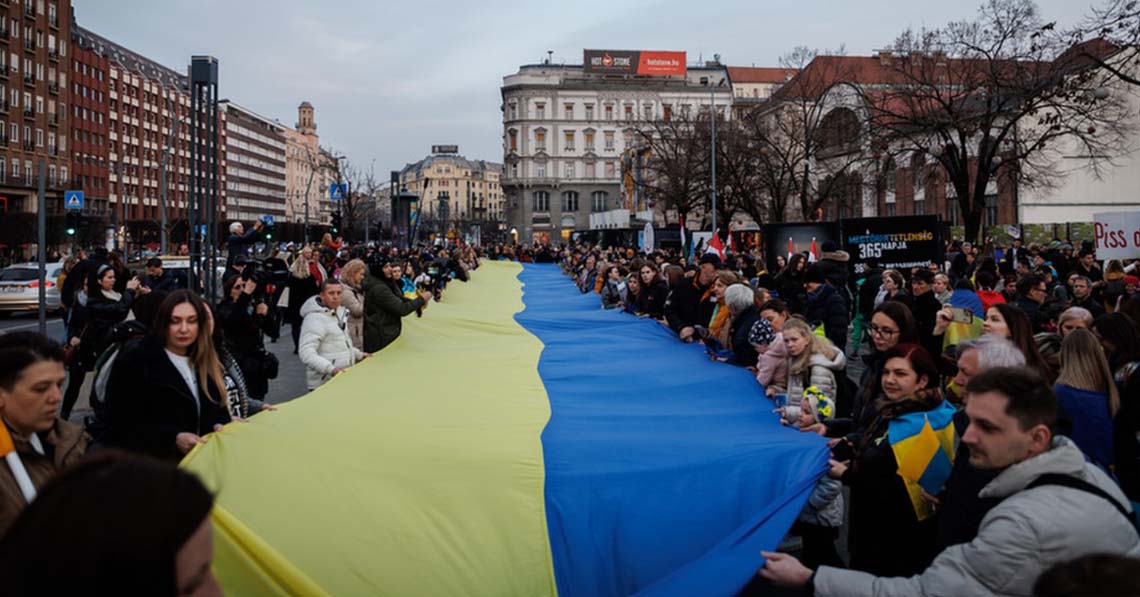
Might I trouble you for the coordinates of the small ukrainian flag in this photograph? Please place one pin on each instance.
(924, 444)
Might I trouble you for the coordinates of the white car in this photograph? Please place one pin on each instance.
(20, 287)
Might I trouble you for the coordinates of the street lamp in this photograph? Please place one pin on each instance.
(712, 146)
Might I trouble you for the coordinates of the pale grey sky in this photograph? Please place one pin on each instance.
(390, 79)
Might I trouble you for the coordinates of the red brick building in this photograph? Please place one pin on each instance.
(33, 109)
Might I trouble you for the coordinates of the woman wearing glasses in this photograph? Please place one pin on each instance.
(891, 324)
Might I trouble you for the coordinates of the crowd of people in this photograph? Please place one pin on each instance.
(1020, 360)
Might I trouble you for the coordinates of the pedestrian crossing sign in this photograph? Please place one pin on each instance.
(337, 191)
(73, 199)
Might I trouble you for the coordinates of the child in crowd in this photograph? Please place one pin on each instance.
(818, 523)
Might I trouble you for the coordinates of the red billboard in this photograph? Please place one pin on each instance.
(634, 62)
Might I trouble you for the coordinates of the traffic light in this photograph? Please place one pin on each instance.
(72, 223)
(335, 227)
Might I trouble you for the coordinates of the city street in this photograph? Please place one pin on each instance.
(289, 384)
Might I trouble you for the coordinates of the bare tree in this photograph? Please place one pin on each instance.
(802, 156)
(675, 164)
(1115, 23)
(986, 100)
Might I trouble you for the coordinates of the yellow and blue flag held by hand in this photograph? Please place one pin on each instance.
(515, 440)
(924, 445)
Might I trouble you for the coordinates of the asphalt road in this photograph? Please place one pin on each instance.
(290, 382)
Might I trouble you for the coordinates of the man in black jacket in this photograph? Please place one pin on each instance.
(1031, 293)
(688, 304)
(240, 239)
(825, 305)
(926, 307)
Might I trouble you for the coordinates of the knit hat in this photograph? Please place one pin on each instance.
(814, 273)
(1133, 280)
(822, 407)
(710, 258)
(761, 333)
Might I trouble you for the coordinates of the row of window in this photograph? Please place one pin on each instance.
(88, 71)
(626, 109)
(241, 158)
(569, 170)
(54, 174)
(234, 128)
(569, 139)
(540, 201)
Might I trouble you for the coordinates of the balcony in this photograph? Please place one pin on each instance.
(4, 141)
(4, 34)
(53, 119)
(3, 106)
(53, 150)
(53, 88)
(29, 113)
(4, 72)
(29, 146)
(29, 45)
(29, 10)
(53, 21)
(29, 79)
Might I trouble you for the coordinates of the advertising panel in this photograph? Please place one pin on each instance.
(634, 62)
(901, 242)
(782, 240)
(1117, 235)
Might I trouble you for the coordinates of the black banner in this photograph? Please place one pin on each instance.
(900, 243)
(781, 240)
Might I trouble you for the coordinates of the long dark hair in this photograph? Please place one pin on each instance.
(112, 524)
(203, 357)
(1122, 332)
(94, 289)
(790, 268)
(901, 315)
(1021, 334)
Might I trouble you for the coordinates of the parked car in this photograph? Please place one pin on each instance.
(20, 287)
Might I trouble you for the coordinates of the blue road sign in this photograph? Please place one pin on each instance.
(73, 199)
(337, 191)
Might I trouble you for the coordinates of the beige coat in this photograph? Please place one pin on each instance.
(69, 443)
(352, 299)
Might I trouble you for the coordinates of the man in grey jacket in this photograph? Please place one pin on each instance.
(1055, 506)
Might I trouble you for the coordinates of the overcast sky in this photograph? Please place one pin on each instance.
(390, 79)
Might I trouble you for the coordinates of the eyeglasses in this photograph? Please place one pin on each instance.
(882, 332)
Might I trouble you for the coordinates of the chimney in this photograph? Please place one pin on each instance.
(885, 57)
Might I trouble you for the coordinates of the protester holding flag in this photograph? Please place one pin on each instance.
(653, 292)
(892, 530)
(35, 443)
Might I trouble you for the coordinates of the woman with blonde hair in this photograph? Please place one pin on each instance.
(305, 278)
(812, 361)
(352, 275)
(721, 320)
(1087, 396)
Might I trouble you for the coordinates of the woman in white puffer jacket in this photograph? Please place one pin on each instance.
(326, 348)
(812, 361)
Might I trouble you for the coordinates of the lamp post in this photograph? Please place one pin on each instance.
(712, 146)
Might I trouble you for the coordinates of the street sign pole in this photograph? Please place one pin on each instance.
(41, 252)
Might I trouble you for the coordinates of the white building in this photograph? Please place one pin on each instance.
(564, 132)
(254, 174)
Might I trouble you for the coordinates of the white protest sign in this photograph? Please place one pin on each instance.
(1117, 235)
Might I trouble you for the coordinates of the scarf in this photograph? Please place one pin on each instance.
(112, 296)
(315, 272)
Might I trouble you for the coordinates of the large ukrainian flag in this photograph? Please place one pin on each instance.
(511, 442)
